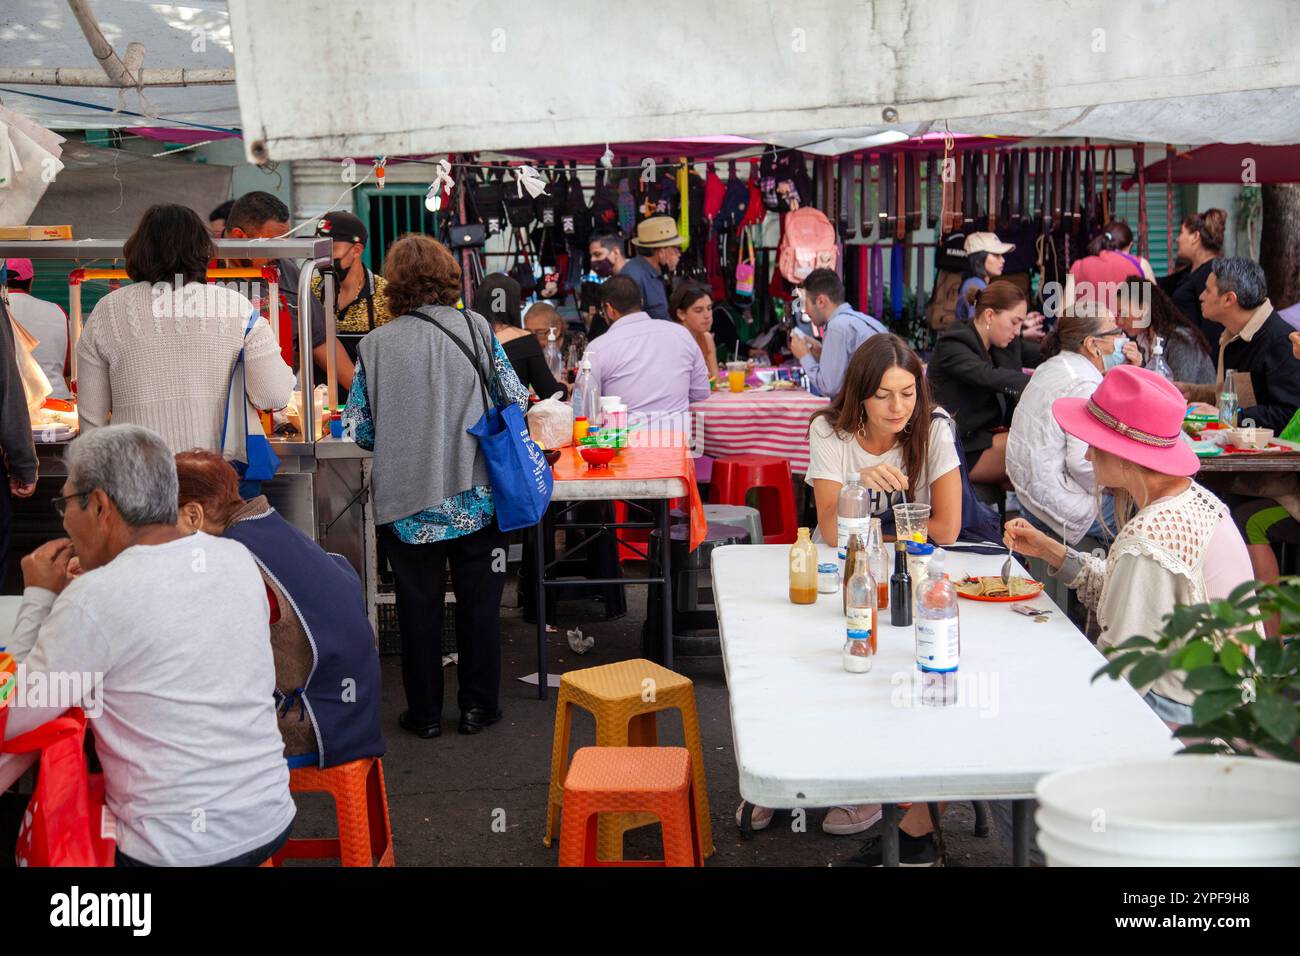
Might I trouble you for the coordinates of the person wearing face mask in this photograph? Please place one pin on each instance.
(1179, 548)
(843, 330)
(658, 252)
(359, 304)
(978, 371)
(1047, 466)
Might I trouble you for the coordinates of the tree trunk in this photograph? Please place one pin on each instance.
(1279, 244)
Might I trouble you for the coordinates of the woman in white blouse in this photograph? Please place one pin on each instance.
(1048, 467)
(882, 427)
(1180, 548)
(160, 352)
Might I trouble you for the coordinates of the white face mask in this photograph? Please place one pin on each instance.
(1115, 358)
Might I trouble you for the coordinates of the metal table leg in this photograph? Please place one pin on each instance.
(889, 836)
(539, 552)
(1020, 836)
(665, 568)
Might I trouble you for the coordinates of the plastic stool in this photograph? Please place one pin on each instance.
(630, 780)
(734, 478)
(740, 515)
(636, 536)
(615, 694)
(361, 806)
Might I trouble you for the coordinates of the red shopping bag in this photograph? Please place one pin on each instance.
(8, 688)
(67, 822)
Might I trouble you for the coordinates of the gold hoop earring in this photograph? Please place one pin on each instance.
(862, 430)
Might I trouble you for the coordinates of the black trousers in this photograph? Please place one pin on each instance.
(478, 576)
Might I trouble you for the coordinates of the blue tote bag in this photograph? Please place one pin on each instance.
(520, 477)
(251, 455)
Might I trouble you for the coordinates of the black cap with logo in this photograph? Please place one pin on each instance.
(342, 227)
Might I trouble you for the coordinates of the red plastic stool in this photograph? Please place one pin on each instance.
(655, 780)
(734, 478)
(636, 536)
(361, 806)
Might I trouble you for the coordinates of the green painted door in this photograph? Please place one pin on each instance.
(390, 212)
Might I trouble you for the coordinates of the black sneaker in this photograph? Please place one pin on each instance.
(912, 851)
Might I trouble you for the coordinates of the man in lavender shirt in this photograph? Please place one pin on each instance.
(654, 367)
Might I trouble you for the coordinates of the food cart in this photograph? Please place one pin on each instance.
(320, 485)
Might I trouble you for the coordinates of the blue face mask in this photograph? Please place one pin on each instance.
(1116, 357)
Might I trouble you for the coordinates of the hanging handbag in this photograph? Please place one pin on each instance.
(251, 453)
(517, 470)
(745, 269)
(67, 822)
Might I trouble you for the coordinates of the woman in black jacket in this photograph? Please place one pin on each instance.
(498, 298)
(976, 373)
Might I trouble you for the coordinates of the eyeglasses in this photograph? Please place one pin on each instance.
(61, 503)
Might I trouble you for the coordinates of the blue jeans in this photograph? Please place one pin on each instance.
(1103, 530)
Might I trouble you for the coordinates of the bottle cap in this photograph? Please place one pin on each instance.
(827, 567)
(919, 549)
(900, 545)
(804, 532)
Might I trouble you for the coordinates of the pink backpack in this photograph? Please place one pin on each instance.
(808, 242)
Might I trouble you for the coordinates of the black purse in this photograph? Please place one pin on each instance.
(468, 235)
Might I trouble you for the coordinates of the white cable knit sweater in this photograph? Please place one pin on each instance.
(164, 362)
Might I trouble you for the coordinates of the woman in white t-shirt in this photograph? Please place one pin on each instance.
(881, 427)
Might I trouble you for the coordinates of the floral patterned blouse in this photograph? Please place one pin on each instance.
(462, 513)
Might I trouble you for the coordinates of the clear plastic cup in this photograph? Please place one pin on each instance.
(910, 522)
(736, 372)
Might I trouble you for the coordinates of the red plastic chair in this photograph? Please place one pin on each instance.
(734, 478)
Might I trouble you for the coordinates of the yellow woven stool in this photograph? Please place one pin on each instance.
(624, 699)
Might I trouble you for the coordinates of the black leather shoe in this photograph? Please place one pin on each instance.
(427, 731)
(478, 718)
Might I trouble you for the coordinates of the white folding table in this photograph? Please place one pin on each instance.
(809, 734)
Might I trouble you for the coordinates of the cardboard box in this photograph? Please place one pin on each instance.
(35, 232)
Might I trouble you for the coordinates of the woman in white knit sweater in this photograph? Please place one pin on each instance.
(160, 352)
(1180, 548)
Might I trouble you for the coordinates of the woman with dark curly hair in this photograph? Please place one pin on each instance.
(415, 393)
(1144, 312)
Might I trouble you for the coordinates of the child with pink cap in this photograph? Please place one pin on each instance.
(1180, 547)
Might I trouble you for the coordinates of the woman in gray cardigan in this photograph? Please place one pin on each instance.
(414, 394)
(1144, 312)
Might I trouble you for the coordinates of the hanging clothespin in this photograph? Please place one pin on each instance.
(380, 163)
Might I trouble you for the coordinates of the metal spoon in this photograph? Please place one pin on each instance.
(1006, 569)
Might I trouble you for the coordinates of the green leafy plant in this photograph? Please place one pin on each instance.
(1247, 687)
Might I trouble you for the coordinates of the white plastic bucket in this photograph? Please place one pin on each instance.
(1194, 810)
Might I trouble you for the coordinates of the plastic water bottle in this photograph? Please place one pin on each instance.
(853, 513)
(938, 636)
(1158, 363)
(860, 619)
(585, 397)
(554, 360)
(1228, 400)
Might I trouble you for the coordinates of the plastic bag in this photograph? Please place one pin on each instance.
(550, 423)
(36, 384)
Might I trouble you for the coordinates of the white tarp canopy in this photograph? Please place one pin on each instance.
(194, 34)
(321, 78)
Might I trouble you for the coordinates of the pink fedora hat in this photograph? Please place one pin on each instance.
(1135, 414)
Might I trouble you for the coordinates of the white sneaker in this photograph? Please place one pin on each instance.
(845, 821)
(760, 819)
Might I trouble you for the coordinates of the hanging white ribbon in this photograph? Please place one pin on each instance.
(527, 177)
(441, 181)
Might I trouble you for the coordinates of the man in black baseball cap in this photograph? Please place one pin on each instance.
(360, 303)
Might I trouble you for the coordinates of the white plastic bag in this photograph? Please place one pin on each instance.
(550, 423)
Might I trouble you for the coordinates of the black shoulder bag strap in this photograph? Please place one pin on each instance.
(472, 356)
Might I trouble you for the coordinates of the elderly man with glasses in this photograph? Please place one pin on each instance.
(174, 630)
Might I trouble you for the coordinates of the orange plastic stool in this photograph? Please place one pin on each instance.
(642, 780)
(734, 478)
(361, 807)
(624, 698)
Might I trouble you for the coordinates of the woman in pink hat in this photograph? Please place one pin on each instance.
(1177, 543)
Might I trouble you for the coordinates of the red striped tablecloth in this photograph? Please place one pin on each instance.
(757, 423)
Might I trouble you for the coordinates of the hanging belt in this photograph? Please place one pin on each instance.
(877, 281)
(1169, 207)
(864, 288)
(896, 281)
